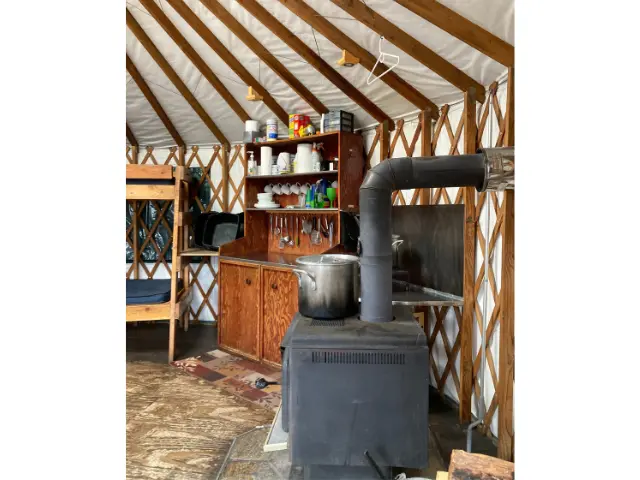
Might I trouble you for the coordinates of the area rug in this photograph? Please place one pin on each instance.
(235, 375)
(178, 426)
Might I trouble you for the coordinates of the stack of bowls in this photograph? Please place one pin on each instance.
(265, 200)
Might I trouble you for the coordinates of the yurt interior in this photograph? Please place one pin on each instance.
(320, 239)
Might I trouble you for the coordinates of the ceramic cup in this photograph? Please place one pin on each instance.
(334, 184)
(285, 189)
(295, 188)
(268, 188)
(277, 189)
(305, 188)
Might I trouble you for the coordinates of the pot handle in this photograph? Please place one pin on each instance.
(298, 273)
(397, 242)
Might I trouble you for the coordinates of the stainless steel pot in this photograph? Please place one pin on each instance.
(328, 285)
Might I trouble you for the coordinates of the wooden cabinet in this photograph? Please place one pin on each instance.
(257, 306)
(240, 308)
(279, 305)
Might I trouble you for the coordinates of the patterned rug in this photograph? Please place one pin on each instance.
(235, 375)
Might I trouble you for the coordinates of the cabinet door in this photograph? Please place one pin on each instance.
(240, 308)
(279, 305)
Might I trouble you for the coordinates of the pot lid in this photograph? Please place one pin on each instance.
(327, 259)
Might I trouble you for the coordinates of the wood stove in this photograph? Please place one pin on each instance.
(350, 387)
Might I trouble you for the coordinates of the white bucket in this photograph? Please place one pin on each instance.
(304, 163)
(265, 160)
(272, 129)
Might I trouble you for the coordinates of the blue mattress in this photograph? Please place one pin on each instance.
(144, 292)
(149, 181)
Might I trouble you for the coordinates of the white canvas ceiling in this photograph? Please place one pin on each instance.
(495, 16)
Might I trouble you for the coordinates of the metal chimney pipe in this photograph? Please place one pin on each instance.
(490, 169)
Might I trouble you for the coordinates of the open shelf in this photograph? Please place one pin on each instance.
(292, 175)
(309, 139)
(198, 252)
(286, 211)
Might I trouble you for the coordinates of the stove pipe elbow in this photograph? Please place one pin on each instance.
(489, 169)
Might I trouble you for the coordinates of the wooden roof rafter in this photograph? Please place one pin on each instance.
(131, 137)
(263, 54)
(367, 60)
(146, 42)
(411, 46)
(160, 17)
(217, 46)
(465, 30)
(155, 104)
(288, 37)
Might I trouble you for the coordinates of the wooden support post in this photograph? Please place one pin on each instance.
(181, 150)
(507, 337)
(135, 150)
(384, 140)
(134, 153)
(225, 177)
(175, 260)
(185, 245)
(426, 125)
(134, 229)
(466, 330)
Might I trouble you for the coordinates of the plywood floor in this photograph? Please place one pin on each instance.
(181, 427)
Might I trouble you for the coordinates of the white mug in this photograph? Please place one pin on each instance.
(295, 188)
(277, 189)
(268, 188)
(285, 189)
(305, 188)
(334, 184)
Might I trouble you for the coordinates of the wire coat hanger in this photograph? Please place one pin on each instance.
(382, 58)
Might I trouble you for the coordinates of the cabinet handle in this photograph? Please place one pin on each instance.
(274, 286)
(247, 281)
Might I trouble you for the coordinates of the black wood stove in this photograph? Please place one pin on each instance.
(350, 387)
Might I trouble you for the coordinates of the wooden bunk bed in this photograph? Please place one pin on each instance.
(162, 299)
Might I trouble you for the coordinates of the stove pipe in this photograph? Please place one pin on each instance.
(490, 169)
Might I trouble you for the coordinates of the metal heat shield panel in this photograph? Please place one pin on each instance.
(433, 248)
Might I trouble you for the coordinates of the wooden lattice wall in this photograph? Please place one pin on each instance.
(445, 326)
(203, 276)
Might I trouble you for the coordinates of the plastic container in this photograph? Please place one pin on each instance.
(338, 120)
(251, 166)
(251, 126)
(315, 158)
(272, 129)
(304, 162)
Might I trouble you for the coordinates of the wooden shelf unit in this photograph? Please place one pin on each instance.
(258, 301)
(347, 147)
